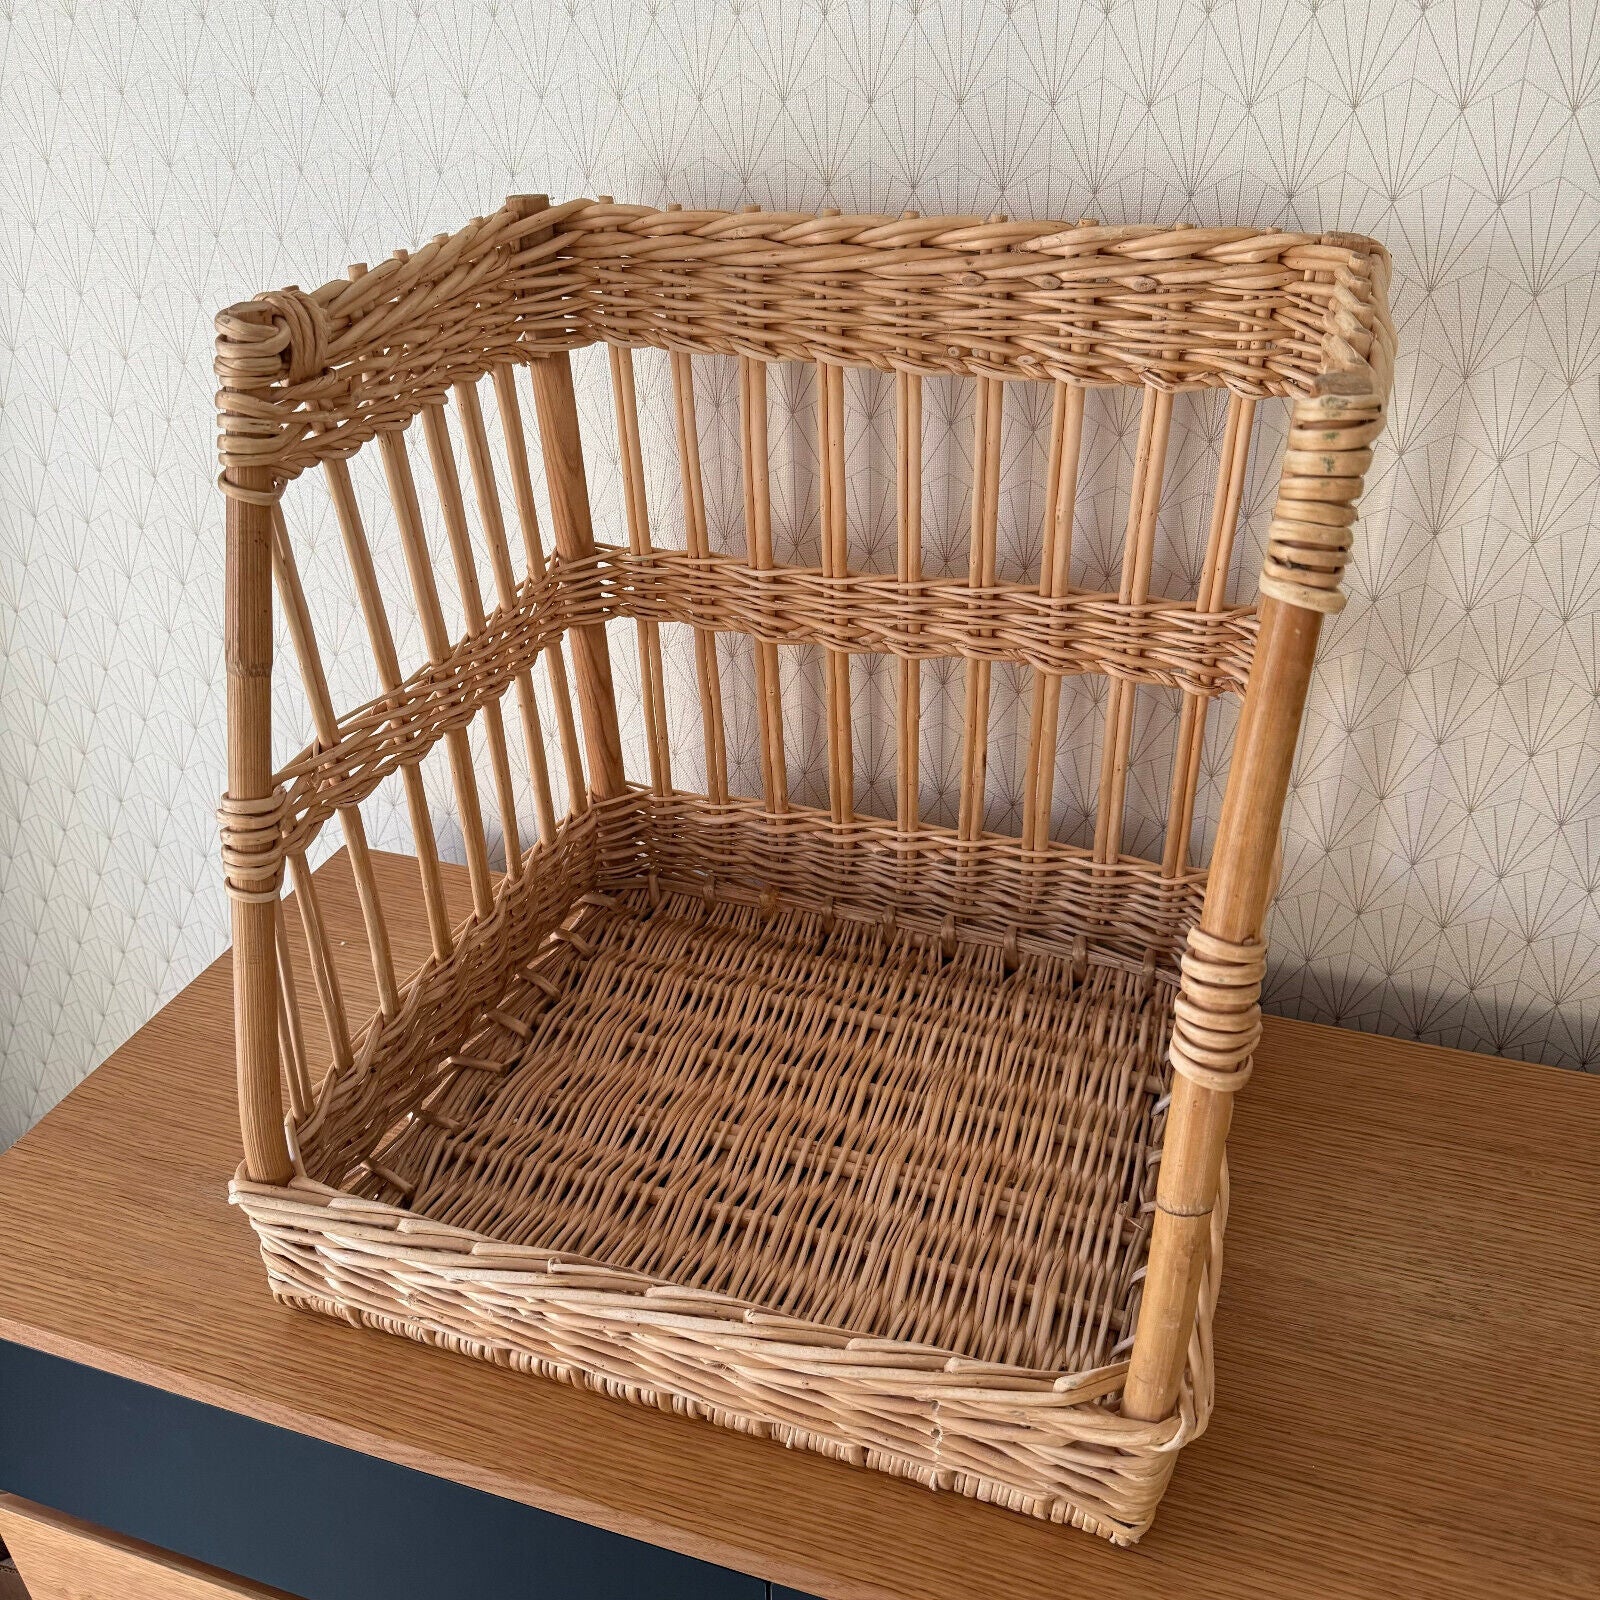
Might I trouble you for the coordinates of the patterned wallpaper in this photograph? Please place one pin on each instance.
(1442, 859)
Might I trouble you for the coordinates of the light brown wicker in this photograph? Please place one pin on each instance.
(854, 1132)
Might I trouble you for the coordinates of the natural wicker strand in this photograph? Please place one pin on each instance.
(425, 593)
(447, 480)
(555, 657)
(505, 583)
(555, 661)
(379, 635)
(758, 549)
(908, 568)
(1218, 1018)
(291, 1029)
(708, 672)
(1211, 597)
(836, 564)
(987, 411)
(1055, 567)
(1155, 426)
(652, 677)
(297, 616)
(1324, 469)
(568, 486)
(324, 972)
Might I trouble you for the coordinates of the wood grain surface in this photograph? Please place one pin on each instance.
(1407, 1343)
(65, 1559)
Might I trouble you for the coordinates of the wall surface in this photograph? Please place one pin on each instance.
(1442, 858)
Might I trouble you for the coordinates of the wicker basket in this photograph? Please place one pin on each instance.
(896, 1142)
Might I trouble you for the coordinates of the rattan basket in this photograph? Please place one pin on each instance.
(897, 1142)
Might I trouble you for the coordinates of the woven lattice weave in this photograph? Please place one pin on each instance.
(895, 1142)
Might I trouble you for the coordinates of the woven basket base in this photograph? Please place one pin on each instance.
(862, 1191)
(846, 1124)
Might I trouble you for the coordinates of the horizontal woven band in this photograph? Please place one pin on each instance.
(1260, 312)
(1160, 642)
(1165, 642)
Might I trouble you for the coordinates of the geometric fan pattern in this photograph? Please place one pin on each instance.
(1441, 856)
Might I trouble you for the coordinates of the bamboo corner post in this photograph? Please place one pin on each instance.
(832, 1127)
(1235, 908)
(249, 820)
(1218, 1007)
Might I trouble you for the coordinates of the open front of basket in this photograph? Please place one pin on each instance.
(886, 1133)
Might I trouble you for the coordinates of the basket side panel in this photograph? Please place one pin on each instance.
(463, 738)
(1046, 1448)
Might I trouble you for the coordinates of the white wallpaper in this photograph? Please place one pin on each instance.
(1442, 858)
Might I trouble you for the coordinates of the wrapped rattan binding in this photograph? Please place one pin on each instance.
(895, 1142)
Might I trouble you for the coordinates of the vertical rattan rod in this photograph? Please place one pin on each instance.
(1144, 503)
(1237, 892)
(697, 540)
(908, 568)
(980, 575)
(557, 409)
(1210, 596)
(297, 615)
(1055, 567)
(447, 479)
(324, 975)
(364, 574)
(253, 895)
(555, 661)
(505, 584)
(652, 673)
(757, 455)
(436, 640)
(291, 1031)
(836, 564)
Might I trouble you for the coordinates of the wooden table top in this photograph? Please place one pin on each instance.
(1407, 1344)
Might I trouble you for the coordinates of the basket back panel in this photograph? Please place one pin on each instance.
(525, 564)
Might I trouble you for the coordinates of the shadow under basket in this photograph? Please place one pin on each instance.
(895, 1142)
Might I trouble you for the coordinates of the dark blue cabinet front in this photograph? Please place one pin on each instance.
(301, 1515)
